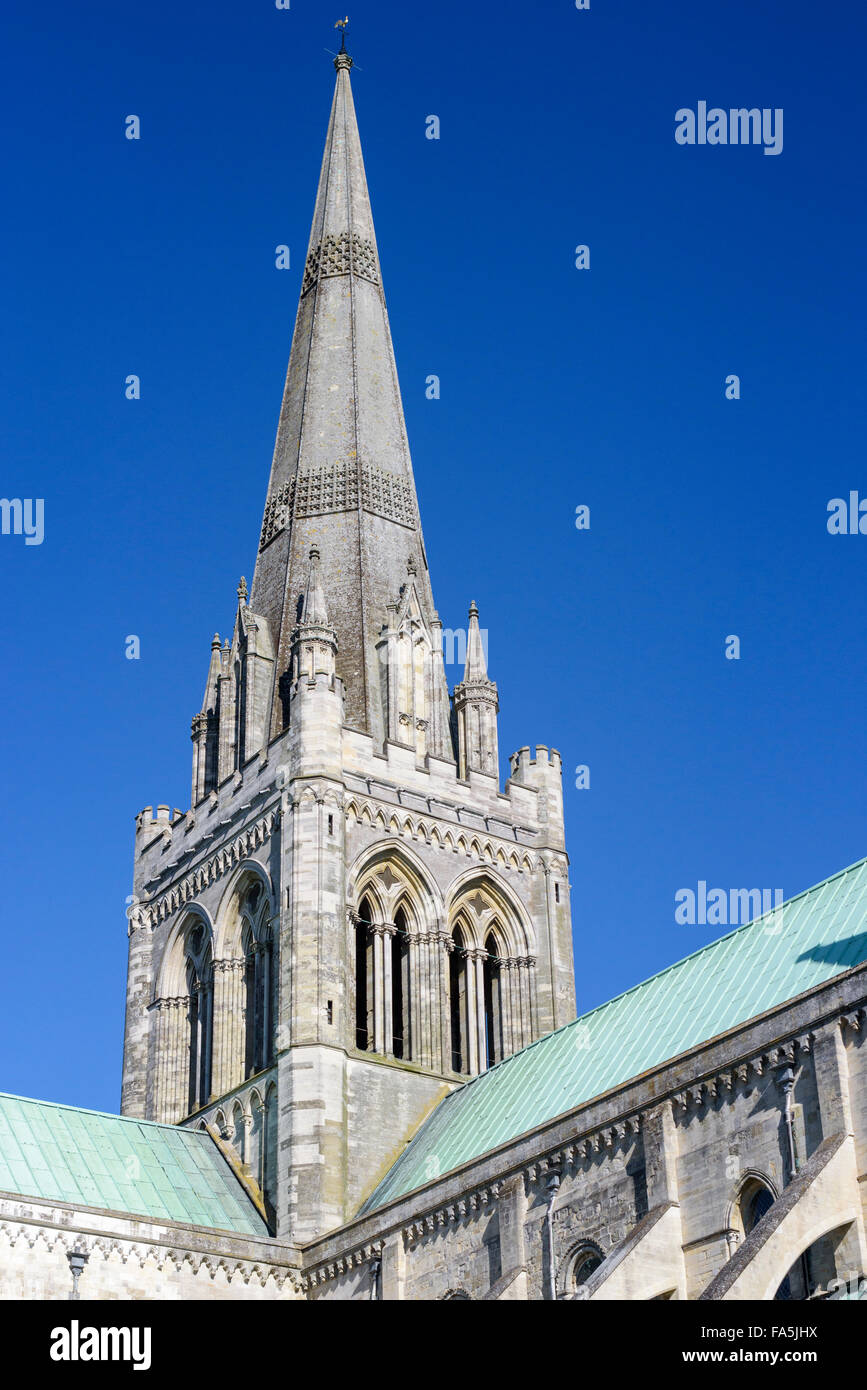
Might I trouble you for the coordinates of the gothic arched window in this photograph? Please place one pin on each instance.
(754, 1209)
(258, 982)
(198, 971)
(364, 990)
(493, 989)
(754, 1201)
(459, 1003)
(400, 989)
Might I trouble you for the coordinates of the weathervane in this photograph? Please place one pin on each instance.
(341, 25)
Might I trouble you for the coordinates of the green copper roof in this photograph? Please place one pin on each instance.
(63, 1154)
(816, 936)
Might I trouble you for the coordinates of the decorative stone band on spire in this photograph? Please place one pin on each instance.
(343, 254)
(334, 488)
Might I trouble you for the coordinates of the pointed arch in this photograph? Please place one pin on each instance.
(460, 1001)
(517, 935)
(754, 1196)
(493, 986)
(747, 1185)
(172, 976)
(394, 900)
(233, 902)
(499, 947)
(246, 975)
(184, 1014)
(401, 986)
(412, 880)
(365, 973)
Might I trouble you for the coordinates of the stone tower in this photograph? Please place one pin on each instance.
(352, 917)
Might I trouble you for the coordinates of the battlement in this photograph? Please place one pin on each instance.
(164, 817)
(149, 827)
(531, 770)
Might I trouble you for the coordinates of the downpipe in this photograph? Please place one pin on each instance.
(551, 1280)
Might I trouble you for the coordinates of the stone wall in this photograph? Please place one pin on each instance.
(132, 1258)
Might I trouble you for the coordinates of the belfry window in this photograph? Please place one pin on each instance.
(258, 983)
(459, 1004)
(364, 990)
(493, 990)
(199, 983)
(400, 988)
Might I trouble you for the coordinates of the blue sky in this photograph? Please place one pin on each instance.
(559, 387)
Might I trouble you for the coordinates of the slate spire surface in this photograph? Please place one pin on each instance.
(341, 478)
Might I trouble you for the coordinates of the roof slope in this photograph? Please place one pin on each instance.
(815, 936)
(64, 1154)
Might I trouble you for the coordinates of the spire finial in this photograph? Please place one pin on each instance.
(476, 667)
(343, 59)
(242, 590)
(314, 555)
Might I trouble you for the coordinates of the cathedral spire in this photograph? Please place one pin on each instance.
(341, 477)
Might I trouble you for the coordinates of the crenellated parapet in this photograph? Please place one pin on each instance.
(544, 773)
